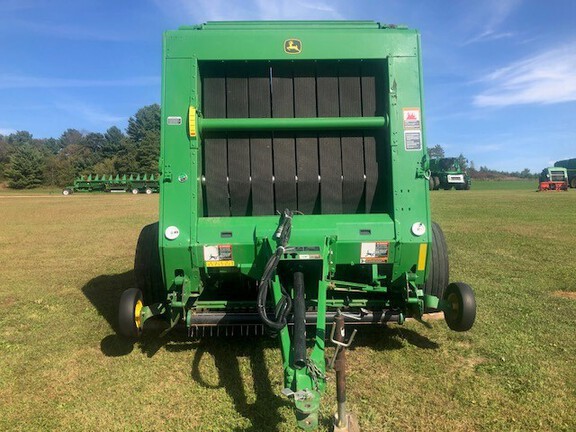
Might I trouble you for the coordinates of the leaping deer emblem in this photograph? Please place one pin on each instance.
(292, 46)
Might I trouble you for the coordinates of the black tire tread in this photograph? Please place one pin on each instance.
(439, 272)
(147, 269)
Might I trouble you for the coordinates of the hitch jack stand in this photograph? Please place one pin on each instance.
(343, 421)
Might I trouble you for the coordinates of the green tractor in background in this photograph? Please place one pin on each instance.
(570, 165)
(448, 173)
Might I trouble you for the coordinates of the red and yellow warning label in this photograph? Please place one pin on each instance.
(411, 118)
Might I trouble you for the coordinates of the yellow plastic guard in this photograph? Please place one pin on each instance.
(192, 121)
(422, 256)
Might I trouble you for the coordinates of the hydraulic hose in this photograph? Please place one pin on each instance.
(284, 305)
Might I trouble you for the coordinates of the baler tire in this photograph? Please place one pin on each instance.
(439, 270)
(129, 313)
(66, 192)
(135, 191)
(461, 311)
(436, 183)
(147, 269)
(148, 191)
(573, 183)
(431, 183)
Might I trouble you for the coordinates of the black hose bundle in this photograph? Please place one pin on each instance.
(284, 306)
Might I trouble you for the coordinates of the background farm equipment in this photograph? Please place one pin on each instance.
(294, 193)
(134, 183)
(447, 173)
(570, 165)
(553, 178)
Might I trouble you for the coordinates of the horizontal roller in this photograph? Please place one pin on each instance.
(289, 124)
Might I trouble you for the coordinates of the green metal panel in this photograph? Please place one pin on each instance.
(266, 43)
(181, 202)
(179, 199)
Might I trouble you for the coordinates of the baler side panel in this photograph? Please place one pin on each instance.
(410, 188)
(179, 197)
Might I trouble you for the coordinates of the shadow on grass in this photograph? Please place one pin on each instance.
(263, 413)
(104, 293)
(386, 338)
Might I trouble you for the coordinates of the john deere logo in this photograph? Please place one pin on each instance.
(292, 46)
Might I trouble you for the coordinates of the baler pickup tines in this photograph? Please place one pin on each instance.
(231, 319)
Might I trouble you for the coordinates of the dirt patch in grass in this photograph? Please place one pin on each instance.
(434, 316)
(565, 294)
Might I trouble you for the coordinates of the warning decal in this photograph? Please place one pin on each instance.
(413, 140)
(411, 118)
(374, 252)
(218, 256)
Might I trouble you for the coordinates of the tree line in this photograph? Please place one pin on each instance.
(27, 162)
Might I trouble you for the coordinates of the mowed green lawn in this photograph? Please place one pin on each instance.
(64, 262)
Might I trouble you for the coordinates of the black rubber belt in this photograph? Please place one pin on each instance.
(306, 146)
(215, 152)
(352, 144)
(329, 144)
(239, 145)
(261, 146)
(371, 159)
(283, 144)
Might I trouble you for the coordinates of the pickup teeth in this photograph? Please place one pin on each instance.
(197, 332)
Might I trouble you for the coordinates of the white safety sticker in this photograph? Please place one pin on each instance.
(374, 252)
(218, 256)
(174, 121)
(172, 232)
(412, 140)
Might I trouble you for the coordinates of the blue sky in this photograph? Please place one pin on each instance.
(499, 75)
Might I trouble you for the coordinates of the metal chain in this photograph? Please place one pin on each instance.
(315, 372)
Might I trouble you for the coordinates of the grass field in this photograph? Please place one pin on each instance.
(65, 260)
(504, 185)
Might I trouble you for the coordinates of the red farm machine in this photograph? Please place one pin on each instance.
(553, 179)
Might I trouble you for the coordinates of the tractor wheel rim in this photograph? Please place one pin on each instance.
(138, 314)
(454, 303)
